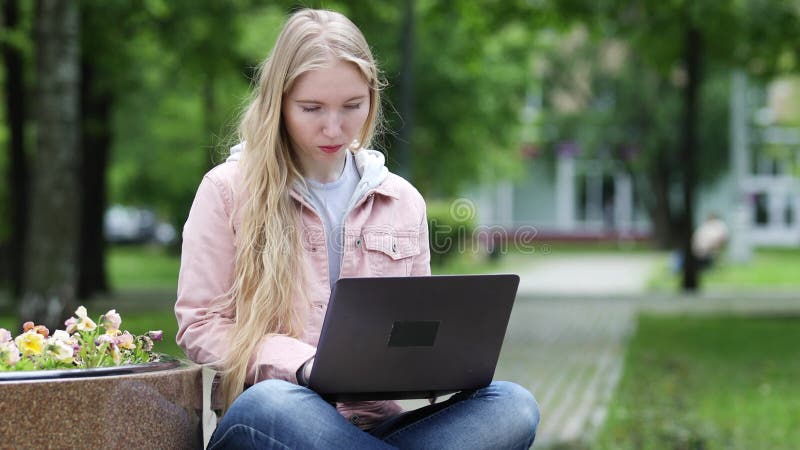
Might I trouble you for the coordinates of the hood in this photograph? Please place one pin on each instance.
(371, 165)
(236, 152)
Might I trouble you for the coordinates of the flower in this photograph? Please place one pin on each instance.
(71, 324)
(5, 336)
(147, 343)
(115, 354)
(104, 339)
(156, 335)
(9, 353)
(60, 350)
(125, 340)
(83, 344)
(30, 343)
(84, 322)
(62, 335)
(111, 321)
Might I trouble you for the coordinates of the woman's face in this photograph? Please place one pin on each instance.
(324, 112)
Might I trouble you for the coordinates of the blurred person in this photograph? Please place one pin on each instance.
(708, 240)
(266, 239)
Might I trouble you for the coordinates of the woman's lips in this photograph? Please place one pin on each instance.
(330, 148)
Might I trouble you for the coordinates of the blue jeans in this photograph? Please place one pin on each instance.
(276, 414)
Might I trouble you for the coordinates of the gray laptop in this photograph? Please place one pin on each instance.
(411, 337)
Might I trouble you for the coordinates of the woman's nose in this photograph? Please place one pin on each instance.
(333, 125)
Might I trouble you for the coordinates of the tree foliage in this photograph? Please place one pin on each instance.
(690, 36)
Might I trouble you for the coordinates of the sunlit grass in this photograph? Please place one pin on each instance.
(769, 269)
(708, 383)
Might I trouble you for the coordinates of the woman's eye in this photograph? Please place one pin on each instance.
(353, 106)
(310, 108)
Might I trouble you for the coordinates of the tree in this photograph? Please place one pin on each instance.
(14, 59)
(600, 95)
(691, 35)
(50, 272)
(106, 52)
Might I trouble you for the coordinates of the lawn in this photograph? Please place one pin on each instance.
(769, 268)
(142, 267)
(708, 383)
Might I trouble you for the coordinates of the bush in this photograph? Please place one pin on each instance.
(450, 228)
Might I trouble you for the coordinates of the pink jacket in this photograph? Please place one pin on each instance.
(385, 234)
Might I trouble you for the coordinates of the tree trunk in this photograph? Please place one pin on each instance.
(52, 247)
(693, 56)
(96, 143)
(402, 153)
(18, 166)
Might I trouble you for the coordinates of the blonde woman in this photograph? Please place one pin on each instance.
(297, 205)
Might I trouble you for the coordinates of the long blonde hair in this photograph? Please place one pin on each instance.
(270, 268)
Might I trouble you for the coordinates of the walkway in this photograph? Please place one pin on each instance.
(568, 332)
(567, 337)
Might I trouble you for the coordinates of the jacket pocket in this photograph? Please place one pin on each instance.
(390, 253)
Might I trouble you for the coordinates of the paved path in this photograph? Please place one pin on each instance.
(587, 274)
(567, 336)
(568, 352)
(570, 325)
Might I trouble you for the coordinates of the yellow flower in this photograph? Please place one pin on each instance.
(30, 343)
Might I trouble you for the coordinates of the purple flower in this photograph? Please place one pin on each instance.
(156, 335)
(71, 324)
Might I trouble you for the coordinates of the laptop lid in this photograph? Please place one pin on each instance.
(411, 337)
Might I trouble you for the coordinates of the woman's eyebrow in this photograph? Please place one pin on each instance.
(319, 102)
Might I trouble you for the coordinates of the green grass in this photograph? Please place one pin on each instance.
(142, 267)
(769, 268)
(708, 383)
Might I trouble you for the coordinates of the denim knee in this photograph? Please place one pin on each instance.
(265, 398)
(519, 404)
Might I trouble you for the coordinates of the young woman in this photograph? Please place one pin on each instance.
(299, 204)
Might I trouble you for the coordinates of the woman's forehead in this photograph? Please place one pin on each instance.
(338, 81)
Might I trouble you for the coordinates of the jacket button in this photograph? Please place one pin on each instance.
(313, 249)
(358, 242)
(394, 247)
(354, 419)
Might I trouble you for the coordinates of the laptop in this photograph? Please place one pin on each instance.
(411, 337)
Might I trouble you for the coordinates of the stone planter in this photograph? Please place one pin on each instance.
(154, 405)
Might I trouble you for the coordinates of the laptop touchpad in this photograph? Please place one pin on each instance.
(413, 333)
